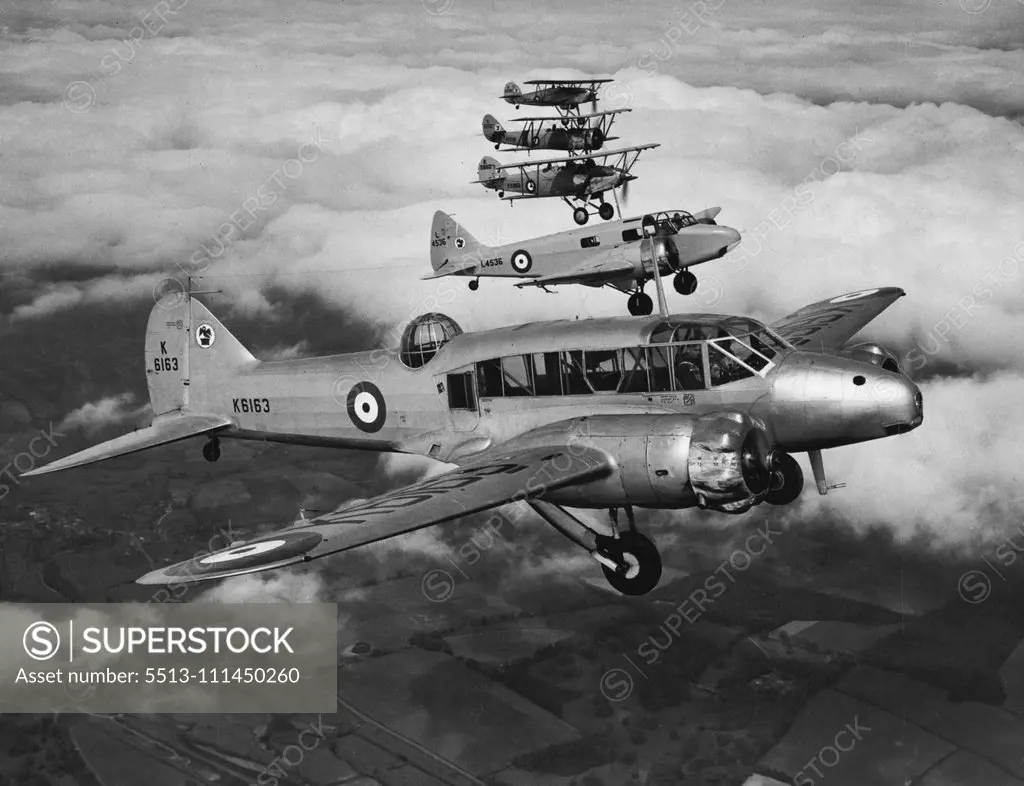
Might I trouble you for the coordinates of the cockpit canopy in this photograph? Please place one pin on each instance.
(424, 337)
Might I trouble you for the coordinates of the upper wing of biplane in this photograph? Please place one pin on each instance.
(574, 118)
(491, 479)
(567, 82)
(828, 324)
(592, 271)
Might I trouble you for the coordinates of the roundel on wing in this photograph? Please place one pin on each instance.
(282, 546)
(366, 407)
(853, 296)
(521, 261)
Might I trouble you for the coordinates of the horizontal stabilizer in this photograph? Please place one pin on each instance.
(170, 430)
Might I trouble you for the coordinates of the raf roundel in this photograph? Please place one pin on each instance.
(853, 296)
(205, 336)
(366, 407)
(460, 242)
(521, 261)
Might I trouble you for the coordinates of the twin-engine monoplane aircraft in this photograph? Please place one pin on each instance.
(620, 254)
(565, 95)
(665, 412)
(581, 183)
(578, 134)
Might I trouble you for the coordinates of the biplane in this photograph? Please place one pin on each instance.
(565, 95)
(577, 134)
(663, 412)
(618, 254)
(580, 183)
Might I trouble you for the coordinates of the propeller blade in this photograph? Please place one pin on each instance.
(593, 104)
(625, 194)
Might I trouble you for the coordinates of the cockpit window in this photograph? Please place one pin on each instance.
(743, 353)
(689, 365)
(724, 368)
(603, 370)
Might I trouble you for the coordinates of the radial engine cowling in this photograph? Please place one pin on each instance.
(874, 354)
(663, 249)
(730, 459)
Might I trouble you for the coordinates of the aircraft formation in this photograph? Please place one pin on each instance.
(615, 254)
(665, 411)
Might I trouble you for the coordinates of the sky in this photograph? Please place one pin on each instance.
(292, 156)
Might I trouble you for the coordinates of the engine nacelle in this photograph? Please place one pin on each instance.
(874, 354)
(720, 461)
(730, 459)
(662, 249)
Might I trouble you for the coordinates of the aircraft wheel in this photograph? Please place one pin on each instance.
(606, 211)
(211, 450)
(685, 282)
(474, 285)
(640, 304)
(580, 216)
(641, 561)
(787, 481)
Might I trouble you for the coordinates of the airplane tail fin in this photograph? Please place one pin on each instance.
(512, 91)
(488, 172)
(450, 242)
(493, 130)
(186, 348)
(188, 352)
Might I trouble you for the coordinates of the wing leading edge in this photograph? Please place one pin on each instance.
(829, 324)
(492, 479)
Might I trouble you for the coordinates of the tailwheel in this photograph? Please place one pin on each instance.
(474, 285)
(606, 211)
(638, 559)
(685, 282)
(640, 304)
(211, 450)
(787, 480)
(580, 215)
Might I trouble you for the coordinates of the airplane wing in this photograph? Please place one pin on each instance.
(160, 433)
(486, 481)
(574, 118)
(829, 324)
(567, 82)
(590, 272)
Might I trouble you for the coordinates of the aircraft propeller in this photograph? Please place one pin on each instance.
(625, 194)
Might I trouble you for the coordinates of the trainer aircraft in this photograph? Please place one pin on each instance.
(691, 410)
(565, 95)
(580, 134)
(581, 183)
(617, 254)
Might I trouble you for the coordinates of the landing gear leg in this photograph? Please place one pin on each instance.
(211, 450)
(630, 562)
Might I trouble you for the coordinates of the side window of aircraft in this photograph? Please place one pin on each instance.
(629, 235)
(689, 367)
(765, 344)
(725, 369)
(590, 242)
(603, 370)
(634, 364)
(547, 381)
(460, 391)
(743, 353)
(517, 381)
(660, 369)
(574, 383)
(488, 377)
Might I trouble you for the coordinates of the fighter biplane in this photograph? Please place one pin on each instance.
(691, 410)
(617, 254)
(579, 182)
(565, 95)
(576, 134)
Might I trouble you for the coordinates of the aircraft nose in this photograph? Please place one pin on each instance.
(730, 238)
(900, 403)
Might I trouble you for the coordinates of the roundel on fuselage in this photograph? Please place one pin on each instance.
(366, 407)
(521, 261)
